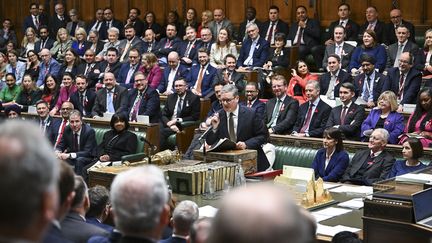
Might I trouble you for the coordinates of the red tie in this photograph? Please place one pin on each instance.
(401, 86)
(62, 127)
(308, 119)
(343, 115)
(270, 34)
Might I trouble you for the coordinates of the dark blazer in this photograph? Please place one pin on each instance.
(242, 30)
(207, 80)
(55, 24)
(157, 29)
(318, 121)
(258, 106)
(351, 30)
(216, 106)
(281, 60)
(69, 26)
(260, 54)
(353, 120)
(311, 34)
(250, 130)
(378, 88)
(206, 45)
(190, 110)
(345, 60)
(412, 84)
(138, 25)
(92, 78)
(193, 54)
(324, 81)
(287, 114)
(149, 106)
(390, 33)
(48, 44)
(394, 124)
(173, 239)
(393, 49)
(336, 167)
(96, 222)
(89, 100)
(27, 99)
(236, 77)
(148, 46)
(162, 51)
(51, 128)
(375, 171)
(281, 27)
(117, 145)
(124, 69)
(119, 100)
(102, 66)
(103, 31)
(75, 228)
(379, 31)
(131, 239)
(87, 142)
(28, 22)
(182, 71)
(54, 235)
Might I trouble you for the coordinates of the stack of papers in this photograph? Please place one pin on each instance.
(355, 203)
(353, 189)
(332, 230)
(329, 213)
(416, 178)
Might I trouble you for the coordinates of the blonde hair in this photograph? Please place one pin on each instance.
(391, 98)
(59, 32)
(150, 58)
(25, 40)
(82, 31)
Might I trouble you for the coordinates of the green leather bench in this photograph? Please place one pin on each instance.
(101, 131)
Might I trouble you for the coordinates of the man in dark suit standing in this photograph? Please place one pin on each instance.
(403, 44)
(129, 68)
(201, 75)
(370, 165)
(34, 20)
(372, 22)
(349, 116)
(396, 20)
(312, 115)
(404, 80)
(255, 50)
(274, 25)
(143, 100)
(83, 99)
(332, 80)
(180, 106)
(339, 47)
(281, 111)
(240, 125)
(112, 98)
(250, 18)
(44, 40)
(351, 27)
(229, 75)
(174, 71)
(78, 143)
(59, 20)
(305, 33)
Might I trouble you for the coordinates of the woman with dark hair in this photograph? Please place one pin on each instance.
(297, 84)
(16, 67)
(151, 69)
(190, 20)
(118, 141)
(13, 112)
(412, 151)
(222, 47)
(371, 47)
(150, 23)
(279, 55)
(10, 92)
(331, 161)
(33, 64)
(29, 94)
(420, 121)
(68, 88)
(51, 90)
(70, 64)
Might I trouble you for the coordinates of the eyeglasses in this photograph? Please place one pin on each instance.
(227, 101)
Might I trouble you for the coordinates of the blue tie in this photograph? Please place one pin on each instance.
(110, 104)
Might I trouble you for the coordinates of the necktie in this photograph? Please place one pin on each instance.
(338, 50)
(126, 50)
(343, 115)
(370, 26)
(61, 18)
(231, 131)
(135, 109)
(366, 92)
(275, 113)
(399, 52)
(97, 25)
(308, 119)
(76, 148)
(342, 23)
(270, 34)
(249, 104)
(37, 22)
(60, 134)
(87, 69)
(188, 49)
(199, 80)
(401, 86)
(249, 59)
(110, 102)
(150, 46)
(299, 37)
(129, 75)
(179, 107)
(168, 43)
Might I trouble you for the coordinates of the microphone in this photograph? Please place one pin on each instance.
(152, 147)
(205, 133)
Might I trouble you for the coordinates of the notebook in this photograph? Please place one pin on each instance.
(422, 207)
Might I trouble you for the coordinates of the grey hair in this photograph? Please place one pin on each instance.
(315, 84)
(252, 25)
(185, 214)
(28, 170)
(138, 198)
(114, 30)
(384, 133)
(230, 88)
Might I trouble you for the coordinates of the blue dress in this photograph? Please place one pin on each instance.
(400, 168)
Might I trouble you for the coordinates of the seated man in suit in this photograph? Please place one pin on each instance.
(172, 72)
(47, 124)
(250, 18)
(183, 217)
(254, 50)
(188, 49)
(404, 80)
(180, 106)
(78, 143)
(349, 116)
(84, 98)
(87, 67)
(281, 111)
(112, 98)
(35, 20)
(305, 33)
(206, 39)
(332, 80)
(201, 76)
(312, 115)
(372, 22)
(149, 41)
(74, 226)
(370, 84)
(129, 68)
(129, 43)
(403, 44)
(252, 101)
(370, 165)
(111, 65)
(396, 20)
(229, 74)
(98, 211)
(338, 47)
(143, 100)
(220, 21)
(168, 44)
(44, 40)
(60, 124)
(273, 26)
(351, 28)
(48, 65)
(244, 127)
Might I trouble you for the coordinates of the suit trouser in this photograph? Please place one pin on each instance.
(165, 133)
(79, 164)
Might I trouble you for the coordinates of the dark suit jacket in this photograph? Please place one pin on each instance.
(260, 54)
(182, 71)
(138, 25)
(336, 167)
(318, 121)
(124, 69)
(282, 60)
(281, 27)
(351, 30)
(206, 45)
(54, 235)
(379, 31)
(353, 120)
(250, 130)
(55, 24)
(119, 100)
(95, 222)
(242, 30)
(287, 114)
(236, 77)
(193, 54)
(69, 26)
(103, 34)
(90, 97)
(375, 171)
(117, 145)
(412, 84)
(87, 142)
(137, 43)
(101, 67)
(28, 22)
(76, 229)
(378, 88)
(148, 46)
(49, 42)
(173, 239)
(207, 80)
(393, 49)
(311, 34)
(190, 110)
(51, 128)
(258, 106)
(390, 33)
(131, 239)
(150, 104)
(324, 81)
(162, 51)
(345, 60)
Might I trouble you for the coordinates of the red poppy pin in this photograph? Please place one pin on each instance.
(351, 112)
(316, 110)
(115, 96)
(386, 122)
(282, 108)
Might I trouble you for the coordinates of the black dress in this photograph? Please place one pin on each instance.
(116, 145)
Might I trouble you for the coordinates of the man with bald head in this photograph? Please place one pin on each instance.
(373, 23)
(112, 98)
(174, 71)
(396, 21)
(47, 65)
(220, 21)
(238, 220)
(149, 41)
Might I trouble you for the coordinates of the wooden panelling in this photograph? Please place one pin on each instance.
(235, 9)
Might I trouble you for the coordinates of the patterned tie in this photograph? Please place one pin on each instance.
(135, 109)
(308, 119)
(343, 115)
(401, 86)
(231, 131)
